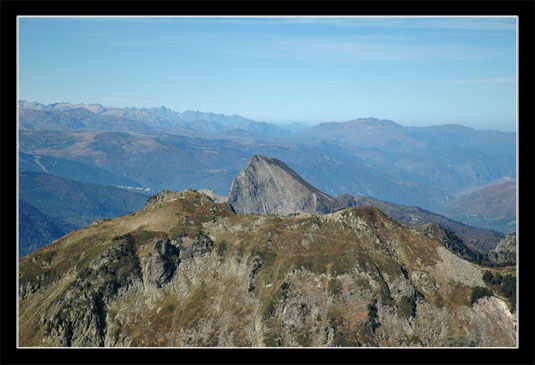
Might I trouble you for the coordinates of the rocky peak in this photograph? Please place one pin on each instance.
(347, 200)
(269, 186)
(158, 197)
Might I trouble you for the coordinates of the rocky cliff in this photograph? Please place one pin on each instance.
(269, 186)
(186, 271)
(505, 252)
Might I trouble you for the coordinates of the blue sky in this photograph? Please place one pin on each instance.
(414, 71)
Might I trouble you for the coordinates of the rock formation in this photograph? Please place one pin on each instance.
(269, 186)
(347, 200)
(505, 252)
(215, 198)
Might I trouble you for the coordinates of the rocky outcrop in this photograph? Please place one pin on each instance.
(269, 186)
(77, 317)
(505, 252)
(215, 198)
(158, 197)
(161, 263)
(347, 200)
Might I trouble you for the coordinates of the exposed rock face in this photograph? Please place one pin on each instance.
(347, 200)
(186, 271)
(77, 317)
(505, 252)
(495, 310)
(269, 186)
(160, 265)
(216, 198)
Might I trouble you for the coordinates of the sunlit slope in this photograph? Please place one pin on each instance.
(185, 271)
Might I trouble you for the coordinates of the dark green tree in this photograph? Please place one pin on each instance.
(479, 292)
(488, 277)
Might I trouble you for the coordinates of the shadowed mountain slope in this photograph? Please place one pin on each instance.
(72, 170)
(75, 202)
(37, 229)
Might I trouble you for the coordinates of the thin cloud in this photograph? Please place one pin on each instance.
(356, 48)
(480, 81)
(394, 22)
(130, 100)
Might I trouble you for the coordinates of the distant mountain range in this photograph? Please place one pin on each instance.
(57, 116)
(386, 135)
(159, 148)
(160, 161)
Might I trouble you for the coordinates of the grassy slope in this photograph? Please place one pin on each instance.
(492, 207)
(333, 246)
(476, 238)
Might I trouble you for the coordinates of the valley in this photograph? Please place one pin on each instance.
(428, 167)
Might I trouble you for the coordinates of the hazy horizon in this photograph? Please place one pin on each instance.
(415, 71)
(281, 124)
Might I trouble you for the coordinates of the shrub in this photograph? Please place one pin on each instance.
(488, 277)
(334, 287)
(479, 292)
(497, 279)
(508, 287)
(407, 306)
(505, 285)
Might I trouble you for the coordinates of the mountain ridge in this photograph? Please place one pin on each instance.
(185, 271)
(479, 239)
(33, 114)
